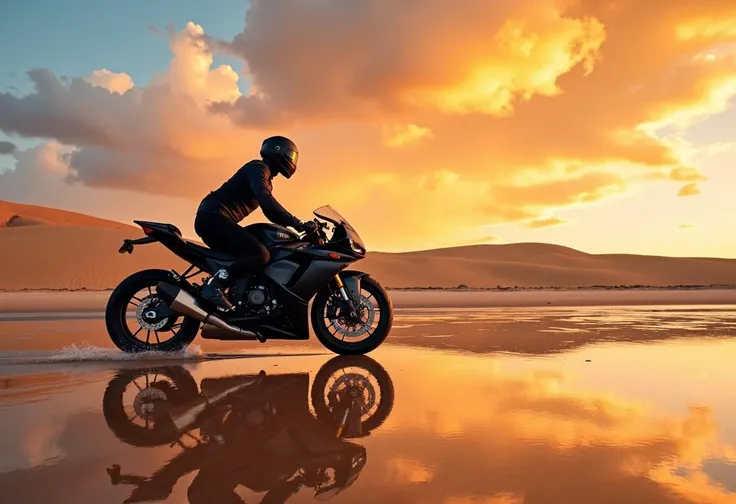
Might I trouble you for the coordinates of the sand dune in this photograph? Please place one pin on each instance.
(73, 257)
(44, 248)
(17, 215)
(543, 265)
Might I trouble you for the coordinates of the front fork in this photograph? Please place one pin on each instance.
(347, 303)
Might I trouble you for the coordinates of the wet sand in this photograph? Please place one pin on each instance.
(464, 406)
(92, 303)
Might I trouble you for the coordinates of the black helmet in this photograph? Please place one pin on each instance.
(282, 152)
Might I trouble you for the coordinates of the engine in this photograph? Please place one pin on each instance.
(256, 299)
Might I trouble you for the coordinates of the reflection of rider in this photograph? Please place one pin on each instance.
(256, 431)
(220, 212)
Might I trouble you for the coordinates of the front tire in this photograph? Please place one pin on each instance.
(182, 329)
(322, 392)
(343, 341)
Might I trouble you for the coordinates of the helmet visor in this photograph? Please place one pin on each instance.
(291, 155)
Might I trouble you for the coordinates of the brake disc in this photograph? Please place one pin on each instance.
(143, 313)
(345, 328)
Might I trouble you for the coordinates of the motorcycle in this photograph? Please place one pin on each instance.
(351, 312)
(251, 430)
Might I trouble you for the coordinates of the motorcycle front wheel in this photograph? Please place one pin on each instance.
(345, 337)
(358, 376)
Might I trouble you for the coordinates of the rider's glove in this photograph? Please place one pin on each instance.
(309, 227)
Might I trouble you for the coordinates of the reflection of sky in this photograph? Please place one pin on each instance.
(32, 428)
(723, 472)
(635, 424)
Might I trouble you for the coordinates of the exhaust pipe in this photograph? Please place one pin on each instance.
(184, 417)
(210, 331)
(182, 302)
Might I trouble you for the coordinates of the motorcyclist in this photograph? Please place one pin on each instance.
(221, 210)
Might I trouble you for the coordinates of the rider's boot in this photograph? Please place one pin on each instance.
(212, 291)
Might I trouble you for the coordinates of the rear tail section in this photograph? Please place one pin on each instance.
(154, 232)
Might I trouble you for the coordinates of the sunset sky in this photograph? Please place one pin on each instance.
(603, 125)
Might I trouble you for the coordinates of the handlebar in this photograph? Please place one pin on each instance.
(320, 235)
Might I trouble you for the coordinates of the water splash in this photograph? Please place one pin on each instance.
(87, 353)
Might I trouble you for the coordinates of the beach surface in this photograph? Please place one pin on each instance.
(505, 405)
(92, 303)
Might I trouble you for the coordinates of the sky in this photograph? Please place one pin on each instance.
(603, 125)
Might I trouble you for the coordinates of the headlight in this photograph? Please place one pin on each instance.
(357, 247)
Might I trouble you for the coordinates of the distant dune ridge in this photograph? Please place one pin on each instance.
(17, 215)
(45, 248)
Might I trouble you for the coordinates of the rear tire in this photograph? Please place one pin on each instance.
(116, 311)
(374, 340)
(161, 431)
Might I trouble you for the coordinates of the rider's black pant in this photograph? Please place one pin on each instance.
(223, 235)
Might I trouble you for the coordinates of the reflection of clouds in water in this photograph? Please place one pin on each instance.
(464, 430)
(722, 471)
(38, 407)
(564, 330)
(538, 330)
(79, 427)
(503, 498)
(39, 444)
(408, 470)
(518, 433)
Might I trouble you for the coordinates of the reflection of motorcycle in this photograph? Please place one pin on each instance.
(251, 430)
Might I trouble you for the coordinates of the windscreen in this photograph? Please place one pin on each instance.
(330, 214)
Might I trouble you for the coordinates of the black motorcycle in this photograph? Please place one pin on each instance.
(251, 430)
(351, 312)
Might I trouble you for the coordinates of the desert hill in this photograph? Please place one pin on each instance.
(543, 265)
(44, 248)
(17, 215)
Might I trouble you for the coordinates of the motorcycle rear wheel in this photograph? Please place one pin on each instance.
(176, 387)
(343, 341)
(184, 328)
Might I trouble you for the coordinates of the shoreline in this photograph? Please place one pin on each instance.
(49, 301)
(462, 289)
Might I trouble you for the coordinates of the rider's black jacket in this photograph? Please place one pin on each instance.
(248, 189)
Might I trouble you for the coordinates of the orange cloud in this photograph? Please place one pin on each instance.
(114, 82)
(404, 134)
(686, 174)
(483, 240)
(691, 189)
(479, 57)
(459, 117)
(548, 222)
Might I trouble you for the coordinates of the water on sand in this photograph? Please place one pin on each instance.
(594, 405)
